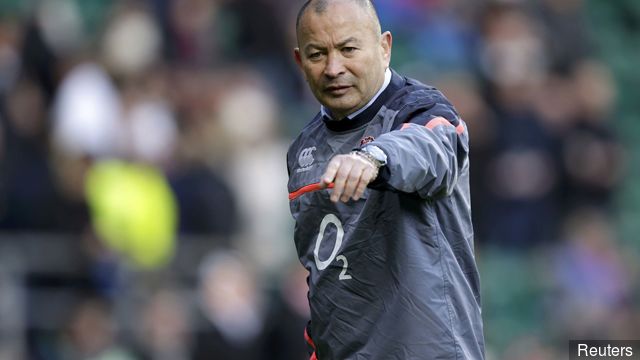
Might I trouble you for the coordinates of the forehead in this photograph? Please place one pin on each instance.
(339, 21)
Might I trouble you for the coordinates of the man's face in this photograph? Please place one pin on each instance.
(343, 56)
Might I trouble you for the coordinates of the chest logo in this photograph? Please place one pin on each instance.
(365, 140)
(305, 160)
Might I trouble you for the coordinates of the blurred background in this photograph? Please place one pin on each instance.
(143, 201)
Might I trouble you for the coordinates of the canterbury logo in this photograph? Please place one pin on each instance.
(306, 157)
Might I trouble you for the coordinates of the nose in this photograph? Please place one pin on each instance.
(334, 66)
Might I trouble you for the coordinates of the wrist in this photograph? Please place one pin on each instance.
(374, 155)
(368, 157)
(377, 154)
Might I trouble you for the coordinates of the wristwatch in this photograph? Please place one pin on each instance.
(376, 153)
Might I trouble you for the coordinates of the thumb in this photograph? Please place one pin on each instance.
(325, 182)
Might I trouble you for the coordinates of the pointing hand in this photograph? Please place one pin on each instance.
(350, 173)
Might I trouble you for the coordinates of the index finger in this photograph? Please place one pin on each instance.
(330, 172)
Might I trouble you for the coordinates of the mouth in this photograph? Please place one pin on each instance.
(337, 90)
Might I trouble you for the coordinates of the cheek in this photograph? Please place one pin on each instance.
(311, 75)
(364, 67)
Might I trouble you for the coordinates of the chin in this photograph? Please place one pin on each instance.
(340, 108)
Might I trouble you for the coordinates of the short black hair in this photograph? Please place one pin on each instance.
(319, 6)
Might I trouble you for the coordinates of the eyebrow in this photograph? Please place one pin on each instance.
(348, 40)
(340, 44)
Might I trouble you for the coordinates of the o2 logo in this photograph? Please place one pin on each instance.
(323, 264)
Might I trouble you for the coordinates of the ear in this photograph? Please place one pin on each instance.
(297, 57)
(386, 41)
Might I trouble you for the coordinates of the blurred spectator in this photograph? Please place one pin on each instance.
(30, 198)
(230, 323)
(207, 204)
(86, 124)
(164, 328)
(88, 114)
(92, 334)
(523, 173)
(592, 277)
(194, 30)
(262, 43)
(592, 155)
(565, 31)
(513, 54)
(288, 317)
(62, 27)
(133, 212)
(132, 41)
(248, 116)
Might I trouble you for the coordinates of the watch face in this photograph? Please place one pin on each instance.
(377, 153)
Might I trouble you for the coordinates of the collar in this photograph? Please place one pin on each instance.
(392, 83)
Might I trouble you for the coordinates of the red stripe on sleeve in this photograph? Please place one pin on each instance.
(437, 121)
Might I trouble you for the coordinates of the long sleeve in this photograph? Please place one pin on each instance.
(426, 153)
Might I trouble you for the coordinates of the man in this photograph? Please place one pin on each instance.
(378, 186)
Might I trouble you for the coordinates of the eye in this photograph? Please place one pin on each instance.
(314, 55)
(349, 49)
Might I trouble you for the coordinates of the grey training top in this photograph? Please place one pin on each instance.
(393, 275)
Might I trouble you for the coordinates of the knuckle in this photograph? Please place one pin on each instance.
(344, 172)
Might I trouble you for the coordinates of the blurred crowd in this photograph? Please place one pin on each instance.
(142, 150)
